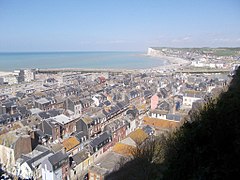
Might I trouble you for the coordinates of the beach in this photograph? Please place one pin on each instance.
(173, 63)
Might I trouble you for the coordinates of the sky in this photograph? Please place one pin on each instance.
(117, 25)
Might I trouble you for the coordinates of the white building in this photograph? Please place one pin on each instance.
(10, 79)
(29, 165)
(55, 167)
(189, 98)
(29, 75)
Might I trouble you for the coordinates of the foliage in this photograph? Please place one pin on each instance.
(207, 146)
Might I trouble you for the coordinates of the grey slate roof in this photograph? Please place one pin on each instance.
(80, 156)
(100, 139)
(56, 158)
(173, 117)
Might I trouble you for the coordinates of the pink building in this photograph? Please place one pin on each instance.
(154, 101)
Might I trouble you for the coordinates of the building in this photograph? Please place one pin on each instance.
(56, 167)
(190, 97)
(80, 163)
(12, 145)
(68, 125)
(10, 79)
(118, 130)
(51, 129)
(29, 165)
(100, 144)
(71, 145)
(73, 104)
(45, 103)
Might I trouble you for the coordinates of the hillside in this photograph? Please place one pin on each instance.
(207, 146)
(221, 51)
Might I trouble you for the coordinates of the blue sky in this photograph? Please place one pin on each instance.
(117, 25)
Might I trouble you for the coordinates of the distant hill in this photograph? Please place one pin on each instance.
(220, 51)
(207, 146)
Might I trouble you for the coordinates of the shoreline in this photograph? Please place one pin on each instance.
(172, 62)
(169, 63)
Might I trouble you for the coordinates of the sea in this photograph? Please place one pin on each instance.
(88, 60)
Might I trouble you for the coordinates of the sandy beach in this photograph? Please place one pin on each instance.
(173, 62)
(5, 73)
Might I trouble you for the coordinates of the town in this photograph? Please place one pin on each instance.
(76, 125)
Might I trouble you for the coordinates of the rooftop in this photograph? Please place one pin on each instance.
(160, 123)
(42, 101)
(70, 143)
(123, 149)
(138, 135)
(62, 119)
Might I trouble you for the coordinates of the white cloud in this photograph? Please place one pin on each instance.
(186, 38)
(222, 39)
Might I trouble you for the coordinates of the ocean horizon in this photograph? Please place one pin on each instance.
(10, 61)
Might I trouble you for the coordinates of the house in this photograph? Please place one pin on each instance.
(85, 124)
(55, 167)
(20, 95)
(50, 128)
(43, 115)
(104, 165)
(174, 117)
(128, 145)
(191, 96)
(100, 144)
(101, 80)
(7, 118)
(30, 91)
(138, 136)
(24, 111)
(99, 99)
(160, 114)
(29, 165)
(164, 92)
(113, 111)
(97, 124)
(131, 124)
(12, 145)
(82, 138)
(154, 101)
(149, 130)
(74, 104)
(80, 163)
(160, 124)
(117, 129)
(95, 173)
(59, 102)
(147, 94)
(86, 103)
(134, 95)
(68, 125)
(45, 103)
(8, 107)
(124, 148)
(71, 145)
(164, 105)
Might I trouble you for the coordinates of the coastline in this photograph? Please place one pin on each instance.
(173, 62)
(168, 63)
